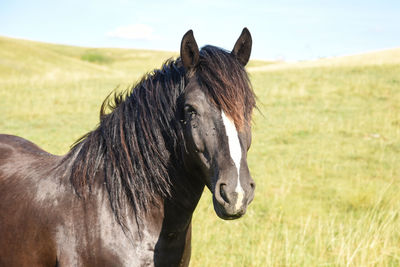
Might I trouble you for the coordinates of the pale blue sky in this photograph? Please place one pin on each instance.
(290, 30)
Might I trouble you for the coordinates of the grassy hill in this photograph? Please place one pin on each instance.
(325, 153)
(377, 58)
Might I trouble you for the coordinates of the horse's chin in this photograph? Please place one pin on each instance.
(226, 213)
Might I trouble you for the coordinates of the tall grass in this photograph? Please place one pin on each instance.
(325, 153)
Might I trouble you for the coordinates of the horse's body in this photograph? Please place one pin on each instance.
(44, 223)
(125, 193)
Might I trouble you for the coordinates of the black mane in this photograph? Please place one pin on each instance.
(129, 145)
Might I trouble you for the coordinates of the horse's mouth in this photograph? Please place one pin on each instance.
(228, 212)
(230, 217)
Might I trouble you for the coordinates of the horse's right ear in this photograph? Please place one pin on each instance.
(242, 48)
(189, 51)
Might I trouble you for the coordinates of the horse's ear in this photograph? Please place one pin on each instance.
(189, 51)
(242, 48)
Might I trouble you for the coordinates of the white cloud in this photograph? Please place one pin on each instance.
(136, 32)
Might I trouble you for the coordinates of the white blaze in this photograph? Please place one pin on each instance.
(235, 151)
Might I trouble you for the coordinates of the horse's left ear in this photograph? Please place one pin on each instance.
(242, 48)
(189, 51)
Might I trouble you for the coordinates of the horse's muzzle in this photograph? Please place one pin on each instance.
(230, 202)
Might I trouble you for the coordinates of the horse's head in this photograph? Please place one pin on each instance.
(217, 107)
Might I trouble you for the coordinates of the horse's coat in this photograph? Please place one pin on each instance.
(125, 193)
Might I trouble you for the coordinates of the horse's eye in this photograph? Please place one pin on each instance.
(190, 111)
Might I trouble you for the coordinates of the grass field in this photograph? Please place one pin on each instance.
(325, 153)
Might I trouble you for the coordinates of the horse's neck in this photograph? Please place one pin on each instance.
(179, 209)
(174, 241)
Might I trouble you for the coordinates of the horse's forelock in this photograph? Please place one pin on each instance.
(227, 83)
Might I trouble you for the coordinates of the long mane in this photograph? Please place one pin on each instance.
(138, 146)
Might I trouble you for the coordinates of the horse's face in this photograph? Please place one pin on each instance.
(218, 148)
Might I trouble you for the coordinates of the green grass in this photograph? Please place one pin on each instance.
(95, 57)
(325, 153)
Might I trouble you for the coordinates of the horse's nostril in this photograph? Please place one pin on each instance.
(223, 193)
(253, 185)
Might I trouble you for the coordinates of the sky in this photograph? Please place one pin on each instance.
(288, 30)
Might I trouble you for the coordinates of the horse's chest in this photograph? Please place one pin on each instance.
(98, 240)
(172, 249)
(138, 253)
(110, 248)
(132, 249)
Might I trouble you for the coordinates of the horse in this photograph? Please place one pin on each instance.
(125, 193)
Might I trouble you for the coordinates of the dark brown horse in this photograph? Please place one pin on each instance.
(125, 193)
